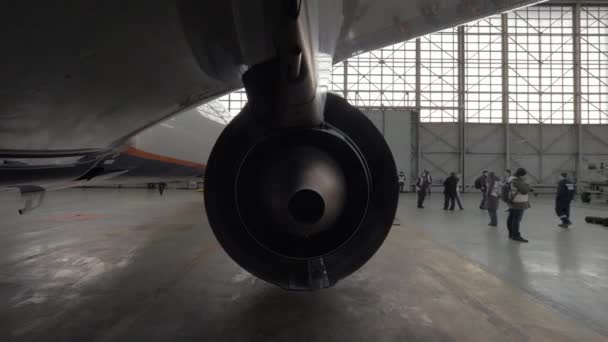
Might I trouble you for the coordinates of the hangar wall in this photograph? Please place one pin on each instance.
(395, 126)
(544, 150)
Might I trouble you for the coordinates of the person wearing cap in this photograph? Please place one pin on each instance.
(565, 195)
(518, 203)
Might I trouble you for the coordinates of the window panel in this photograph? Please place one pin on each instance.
(439, 76)
(540, 76)
(541, 68)
(483, 81)
(594, 65)
(234, 102)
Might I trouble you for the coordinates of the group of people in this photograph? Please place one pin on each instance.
(450, 192)
(513, 189)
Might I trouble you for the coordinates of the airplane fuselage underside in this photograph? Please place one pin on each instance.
(300, 188)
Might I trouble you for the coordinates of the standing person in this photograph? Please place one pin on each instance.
(481, 185)
(401, 181)
(492, 195)
(422, 187)
(517, 199)
(458, 190)
(450, 191)
(508, 177)
(565, 195)
(429, 178)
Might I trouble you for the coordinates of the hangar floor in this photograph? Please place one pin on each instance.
(114, 265)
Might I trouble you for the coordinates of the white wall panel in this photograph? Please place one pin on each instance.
(544, 150)
(395, 126)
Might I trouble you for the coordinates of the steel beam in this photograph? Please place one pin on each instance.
(491, 132)
(345, 79)
(437, 167)
(417, 89)
(439, 138)
(505, 88)
(595, 137)
(541, 149)
(525, 140)
(461, 101)
(578, 121)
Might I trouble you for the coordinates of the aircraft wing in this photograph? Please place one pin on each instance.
(370, 24)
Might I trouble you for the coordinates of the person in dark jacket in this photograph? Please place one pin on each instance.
(450, 191)
(518, 202)
(422, 187)
(492, 195)
(565, 195)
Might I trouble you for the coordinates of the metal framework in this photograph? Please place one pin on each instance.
(541, 65)
(483, 71)
(594, 64)
(439, 77)
(234, 101)
(525, 67)
(380, 78)
(216, 111)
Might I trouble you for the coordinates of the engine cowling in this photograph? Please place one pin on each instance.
(301, 207)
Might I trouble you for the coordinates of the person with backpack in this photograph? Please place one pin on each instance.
(481, 185)
(492, 195)
(450, 191)
(515, 194)
(505, 189)
(422, 187)
(565, 195)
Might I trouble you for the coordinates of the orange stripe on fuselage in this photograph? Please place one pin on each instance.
(132, 151)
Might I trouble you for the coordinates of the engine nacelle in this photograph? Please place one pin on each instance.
(302, 207)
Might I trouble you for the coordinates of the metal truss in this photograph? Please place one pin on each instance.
(483, 71)
(594, 64)
(540, 58)
(380, 78)
(216, 111)
(234, 102)
(439, 77)
(521, 71)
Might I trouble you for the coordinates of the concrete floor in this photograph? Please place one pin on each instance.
(124, 265)
(566, 269)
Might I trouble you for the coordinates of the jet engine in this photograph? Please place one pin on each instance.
(300, 188)
(302, 207)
